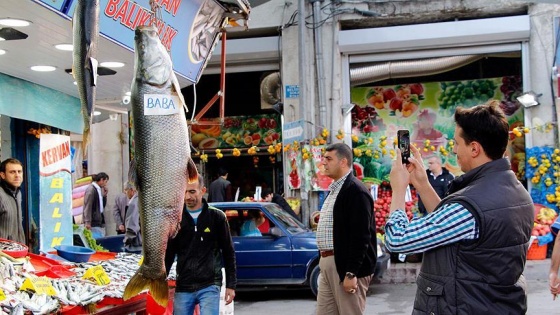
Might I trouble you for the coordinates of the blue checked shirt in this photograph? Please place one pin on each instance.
(325, 225)
(449, 224)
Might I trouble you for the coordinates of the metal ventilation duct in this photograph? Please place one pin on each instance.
(410, 68)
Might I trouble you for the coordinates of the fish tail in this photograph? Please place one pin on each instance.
(192, 171)
(158, 287)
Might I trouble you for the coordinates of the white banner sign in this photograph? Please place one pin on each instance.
(161, 104)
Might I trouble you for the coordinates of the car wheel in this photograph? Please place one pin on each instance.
(314, 279)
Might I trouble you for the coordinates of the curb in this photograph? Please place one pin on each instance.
(407, 272)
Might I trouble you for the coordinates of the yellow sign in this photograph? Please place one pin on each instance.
(40, 285)
(98, 274)
(2, 295)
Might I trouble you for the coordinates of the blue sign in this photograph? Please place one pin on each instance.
(55, 209)
(292, 91)
(293, 131)
(55, 4)
(119, 18)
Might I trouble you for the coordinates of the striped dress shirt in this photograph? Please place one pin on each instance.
(325, 225)
(449, 224)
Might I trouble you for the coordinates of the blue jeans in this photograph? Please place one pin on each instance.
(208, 298)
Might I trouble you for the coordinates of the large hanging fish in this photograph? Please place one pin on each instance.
(162, 162)
(85, 26)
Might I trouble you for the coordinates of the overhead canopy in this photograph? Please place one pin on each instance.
(25, 100)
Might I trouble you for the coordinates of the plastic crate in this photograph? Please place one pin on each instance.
(536, 252)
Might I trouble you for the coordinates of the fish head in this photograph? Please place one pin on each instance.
(153, 63)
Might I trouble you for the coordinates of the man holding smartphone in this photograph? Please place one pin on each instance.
(475, 240)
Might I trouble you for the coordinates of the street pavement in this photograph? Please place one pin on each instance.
(384, 298)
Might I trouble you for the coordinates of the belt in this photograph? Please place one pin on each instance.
(326, 253)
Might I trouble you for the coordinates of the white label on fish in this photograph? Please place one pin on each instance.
(161, 104)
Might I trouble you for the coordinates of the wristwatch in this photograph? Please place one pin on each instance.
(350, 276)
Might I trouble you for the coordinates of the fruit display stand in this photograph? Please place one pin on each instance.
(536, 251)
(382, 206)
(541, 234)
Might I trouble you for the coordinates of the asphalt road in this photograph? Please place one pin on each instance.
(384, 299)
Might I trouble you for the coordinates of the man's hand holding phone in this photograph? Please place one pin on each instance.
(403, 142)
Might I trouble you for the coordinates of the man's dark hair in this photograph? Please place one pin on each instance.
(342, 151)
(99, 176)
(9, 161)
(222, 171)
(485, 124)
(265, 192)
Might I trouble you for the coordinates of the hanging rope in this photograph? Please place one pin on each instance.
(156, 12)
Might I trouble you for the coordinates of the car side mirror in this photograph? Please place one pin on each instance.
(276, 232)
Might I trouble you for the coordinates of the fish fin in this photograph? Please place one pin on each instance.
(93, 64)
(158, 287)
(91, 308)
(192, 172)
(176, 231)
(85, 141)
(132, 173)
(73, 72)
(177, 88)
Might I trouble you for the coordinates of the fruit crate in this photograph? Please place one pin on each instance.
(536, 252)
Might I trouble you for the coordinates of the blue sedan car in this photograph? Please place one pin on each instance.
(282, 252)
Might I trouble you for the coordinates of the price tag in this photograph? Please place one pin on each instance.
(2, 295)
(39, 285)
(141, 260)
(98, 274)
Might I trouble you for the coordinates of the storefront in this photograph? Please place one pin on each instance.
(248, 119)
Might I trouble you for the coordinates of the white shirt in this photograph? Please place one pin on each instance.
(100, 196)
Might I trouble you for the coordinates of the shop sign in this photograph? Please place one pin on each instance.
(319, 181)
(55, 4)
(295, 162)
(293, 131)
(426, 109)
(237, 132)
(39, 285)
(177, 28)
(55, 202)
(292, 91)
(97, 274)
(162, 104)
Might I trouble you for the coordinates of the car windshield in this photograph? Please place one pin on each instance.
(291, 224)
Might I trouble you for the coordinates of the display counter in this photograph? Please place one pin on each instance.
(112, 306)
(72, 288)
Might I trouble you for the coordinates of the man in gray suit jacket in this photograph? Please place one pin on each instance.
(121, 202)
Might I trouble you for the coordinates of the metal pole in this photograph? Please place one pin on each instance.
(319, 64)
(302, 52)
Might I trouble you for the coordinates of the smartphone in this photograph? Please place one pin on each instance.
(403, 137)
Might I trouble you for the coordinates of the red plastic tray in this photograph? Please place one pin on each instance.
(51, 268)
(15, 253)
(98, 256)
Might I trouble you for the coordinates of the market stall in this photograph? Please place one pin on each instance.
(83, 283)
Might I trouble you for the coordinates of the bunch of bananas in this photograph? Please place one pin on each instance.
(546, 214)
(252, 150)
(294, 203)
(340, 134)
